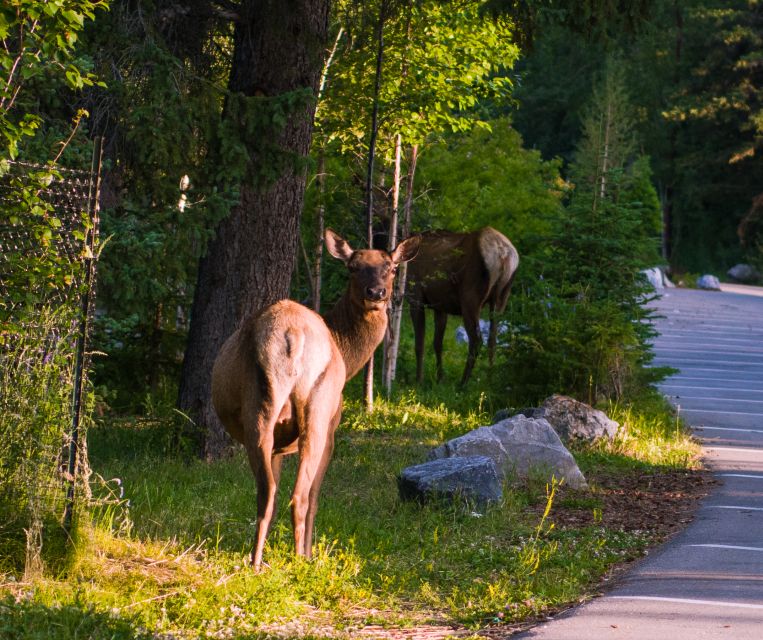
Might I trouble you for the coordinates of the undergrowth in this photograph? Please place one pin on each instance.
(166, 549)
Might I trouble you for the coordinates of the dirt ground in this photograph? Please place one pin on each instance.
(661, 502)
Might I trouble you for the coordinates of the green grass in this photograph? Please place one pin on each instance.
(167, 548)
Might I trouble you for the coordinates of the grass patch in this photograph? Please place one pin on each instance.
(167, 548)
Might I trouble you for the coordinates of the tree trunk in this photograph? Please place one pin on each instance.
(402, 275)
(368, 382)
(277, 48)
(391, 338)
(320, 225)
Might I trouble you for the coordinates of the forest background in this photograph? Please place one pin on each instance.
(496, 109)
(602, 137)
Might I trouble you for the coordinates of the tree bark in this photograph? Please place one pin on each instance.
(396, 319)
(391, 339)
(320, 225)
(368, 383)
(278, 48)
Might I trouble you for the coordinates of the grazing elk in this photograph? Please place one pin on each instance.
(277, 381)
(458, 274)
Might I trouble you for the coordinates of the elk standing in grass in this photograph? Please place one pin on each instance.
(277, 381)
(458, 274)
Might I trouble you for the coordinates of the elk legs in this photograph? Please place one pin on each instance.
(440, 322)
(472, 326)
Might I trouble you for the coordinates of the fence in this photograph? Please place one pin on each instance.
(48, 255)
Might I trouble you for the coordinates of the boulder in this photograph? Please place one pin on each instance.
(471, 477)
(744, 273)
(708, 282)
(654, 277)
(518, 447)
(657, 278)
(574, 420)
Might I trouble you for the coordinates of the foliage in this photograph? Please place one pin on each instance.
(583, 325)
(42, 271)
(36, 379)
(486, 177)
(695, 87)
(441, 61)
(39, 40)
(172, 173)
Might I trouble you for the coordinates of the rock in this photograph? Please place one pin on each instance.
(654, 277)
(711, 283)
(569, 418)
(744, 273)
(574, 420)
(462, 338)
(517, 446)
(471, 477)
(527, 412)
(657, 277)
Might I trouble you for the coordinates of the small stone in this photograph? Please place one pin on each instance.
(744, 273)
(709, 283)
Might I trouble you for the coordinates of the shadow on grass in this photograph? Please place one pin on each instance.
(34, 621)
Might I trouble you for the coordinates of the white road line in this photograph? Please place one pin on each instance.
(742, 605)
(735, 449)
(721, 399)
(726, 546)
(667, 363)
(689, 386)
(740, 475)
(676, 335)
(725, 413)
(729, 429)
(682, 378)
(669, 347)
(737, 507)
(752, 361)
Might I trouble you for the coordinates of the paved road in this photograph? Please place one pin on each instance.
(708, 581)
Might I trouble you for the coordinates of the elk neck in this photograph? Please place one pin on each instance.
(357, 331)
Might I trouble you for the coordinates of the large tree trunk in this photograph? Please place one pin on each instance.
(278, 48)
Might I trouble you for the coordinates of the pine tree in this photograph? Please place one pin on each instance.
(588, 327)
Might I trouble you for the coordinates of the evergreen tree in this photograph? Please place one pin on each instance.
(587, 326)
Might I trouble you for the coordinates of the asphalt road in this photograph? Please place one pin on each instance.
(707, 582)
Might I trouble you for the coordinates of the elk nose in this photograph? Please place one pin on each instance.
(376, 293)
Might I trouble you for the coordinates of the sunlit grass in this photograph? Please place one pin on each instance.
(168, 549)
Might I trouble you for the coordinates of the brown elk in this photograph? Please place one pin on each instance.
(277, 381)
(458, 274)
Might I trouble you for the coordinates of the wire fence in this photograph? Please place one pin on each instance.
(48, 256)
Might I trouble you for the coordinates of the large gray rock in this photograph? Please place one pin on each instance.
(472, 477)
(744, 273)
(518, 447)
(574, 420)
(711, 283)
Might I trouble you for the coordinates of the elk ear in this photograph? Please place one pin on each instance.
(406, 250)
(337, 246)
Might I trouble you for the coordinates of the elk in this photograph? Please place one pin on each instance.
(458, 274)
(277, 382)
